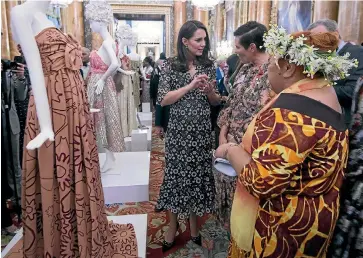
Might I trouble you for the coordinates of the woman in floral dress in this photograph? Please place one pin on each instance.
(250, 92)
(348, 237)
(187, 85)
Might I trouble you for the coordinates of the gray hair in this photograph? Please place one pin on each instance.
(330, 25)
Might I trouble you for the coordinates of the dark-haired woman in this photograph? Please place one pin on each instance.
(249, 92)
(187, 85)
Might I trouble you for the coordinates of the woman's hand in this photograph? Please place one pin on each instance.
(198, 82)
(120, 70)
(221, 151)
(19, 71)
(99, 86)
(208, 87)
(41, 138)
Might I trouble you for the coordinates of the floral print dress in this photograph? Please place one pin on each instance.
(188, 184)
(250, 92)
(348, 238)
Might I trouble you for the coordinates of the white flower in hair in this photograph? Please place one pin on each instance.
(99, 11)
(279, 44)
(124, 34)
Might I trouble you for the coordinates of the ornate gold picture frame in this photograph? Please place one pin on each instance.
(165, 10)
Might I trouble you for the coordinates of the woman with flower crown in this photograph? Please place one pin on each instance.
(293, 154)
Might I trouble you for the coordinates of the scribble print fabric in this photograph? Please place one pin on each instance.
(62, 195)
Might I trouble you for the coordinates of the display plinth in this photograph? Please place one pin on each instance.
(146, 118)
(145, 107)
(137, 145)
(140, 225)
(15, 247)
(132, 182)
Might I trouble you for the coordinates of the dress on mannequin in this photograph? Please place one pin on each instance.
(62, 195)
(73, 157)
(136, 65)
(145, 97)
(107, 122)
(126, 101)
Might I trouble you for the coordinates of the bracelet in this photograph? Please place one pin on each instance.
(226, 151)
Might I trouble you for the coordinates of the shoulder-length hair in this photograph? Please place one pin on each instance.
(187, 31)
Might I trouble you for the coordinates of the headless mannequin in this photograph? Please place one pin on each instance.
(107, 53)
(27, 21)
(136, 57)
(121, 46)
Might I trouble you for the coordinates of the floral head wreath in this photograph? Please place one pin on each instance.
(280, 44)
(124, 34)
(99, 11)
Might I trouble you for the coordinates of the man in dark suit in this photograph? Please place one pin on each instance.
(343, 88)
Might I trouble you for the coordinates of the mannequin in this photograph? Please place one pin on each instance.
(126, 100)
(136, 65)
(28, 20)
(110, 134)
(61, 175)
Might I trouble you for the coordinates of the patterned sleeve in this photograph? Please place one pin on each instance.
(212, 75)
(276, 154)
(224, 114)
(164, 82)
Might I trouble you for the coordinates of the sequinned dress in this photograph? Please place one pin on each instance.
(108, 120)
(62, 195)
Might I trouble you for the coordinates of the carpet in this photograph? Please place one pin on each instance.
(215, 238)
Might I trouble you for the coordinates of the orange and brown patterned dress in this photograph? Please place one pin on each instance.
(299, 153)
(62, 195)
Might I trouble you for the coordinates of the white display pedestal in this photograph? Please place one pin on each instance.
(145, 107)
(146, 118)
(12, 243)
(140, 225)
(144, 145)
(138, 221)
(128, 181)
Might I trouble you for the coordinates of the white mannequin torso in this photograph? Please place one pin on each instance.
(35, 13)
(102, 51)
(121, 46)
(27, 21)
(107, 52)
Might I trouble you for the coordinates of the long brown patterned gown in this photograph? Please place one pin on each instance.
(62, 195)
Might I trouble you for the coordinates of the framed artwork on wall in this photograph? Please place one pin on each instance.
(294, 15)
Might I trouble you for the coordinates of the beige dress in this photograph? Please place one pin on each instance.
(62, 195)
(135, 66)
(126, 100)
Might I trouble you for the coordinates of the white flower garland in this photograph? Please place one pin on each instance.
(279, 44)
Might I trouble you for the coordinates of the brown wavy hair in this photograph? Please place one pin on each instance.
(324, 41)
